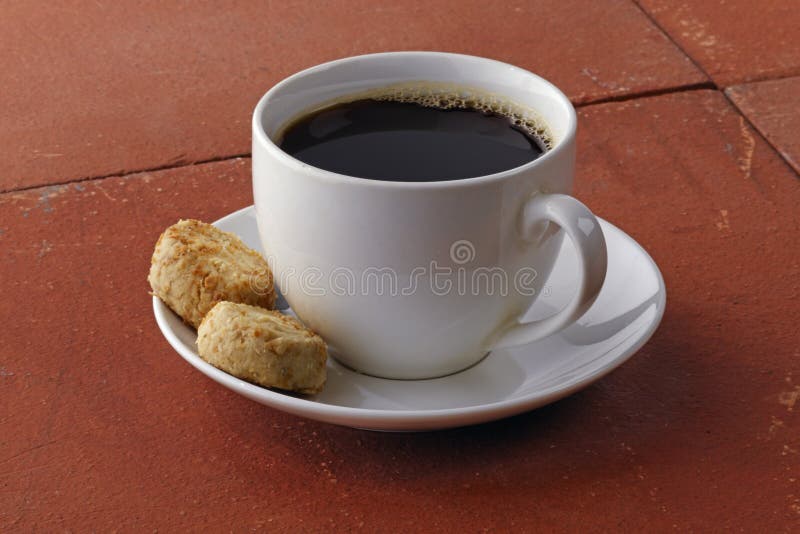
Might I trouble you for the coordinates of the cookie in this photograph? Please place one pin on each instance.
(263, 347)
(195, 265)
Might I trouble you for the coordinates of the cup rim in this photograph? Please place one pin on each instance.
(260, 136)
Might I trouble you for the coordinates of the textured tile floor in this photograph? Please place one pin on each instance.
(103, 427)
(85, 95)
(773, 106)
(733, 41)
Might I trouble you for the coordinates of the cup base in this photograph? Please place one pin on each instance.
(333, 353)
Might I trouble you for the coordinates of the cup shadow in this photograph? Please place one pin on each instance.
(652, 396)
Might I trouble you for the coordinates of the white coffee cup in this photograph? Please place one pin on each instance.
(365, 262)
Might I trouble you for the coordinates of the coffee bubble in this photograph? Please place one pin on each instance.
(450, 96)
(446, 96)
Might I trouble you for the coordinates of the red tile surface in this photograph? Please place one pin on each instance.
(103, 427)
(774, 108)
(97, 88)
(734, 40)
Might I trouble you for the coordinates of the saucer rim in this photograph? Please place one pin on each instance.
(377, 418)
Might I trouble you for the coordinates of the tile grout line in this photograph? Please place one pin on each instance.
(699, 86)
(756, 79)
(759, 133)
(722, 90)
(708, 84)
(675, 43)
(612, 99)
(764, 78)
(604, 100)
(123, 174)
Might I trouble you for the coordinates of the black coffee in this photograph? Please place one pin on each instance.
(412, 142)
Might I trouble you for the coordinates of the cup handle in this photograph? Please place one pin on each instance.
(583, 228)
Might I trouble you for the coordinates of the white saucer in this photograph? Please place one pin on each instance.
(505, 383)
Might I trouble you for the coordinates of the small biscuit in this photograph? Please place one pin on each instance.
(263, 347)
(195, 265)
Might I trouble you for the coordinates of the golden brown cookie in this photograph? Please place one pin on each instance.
(263, 347)
(195, 265)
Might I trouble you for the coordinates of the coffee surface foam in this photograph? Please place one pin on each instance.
(445, 96)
